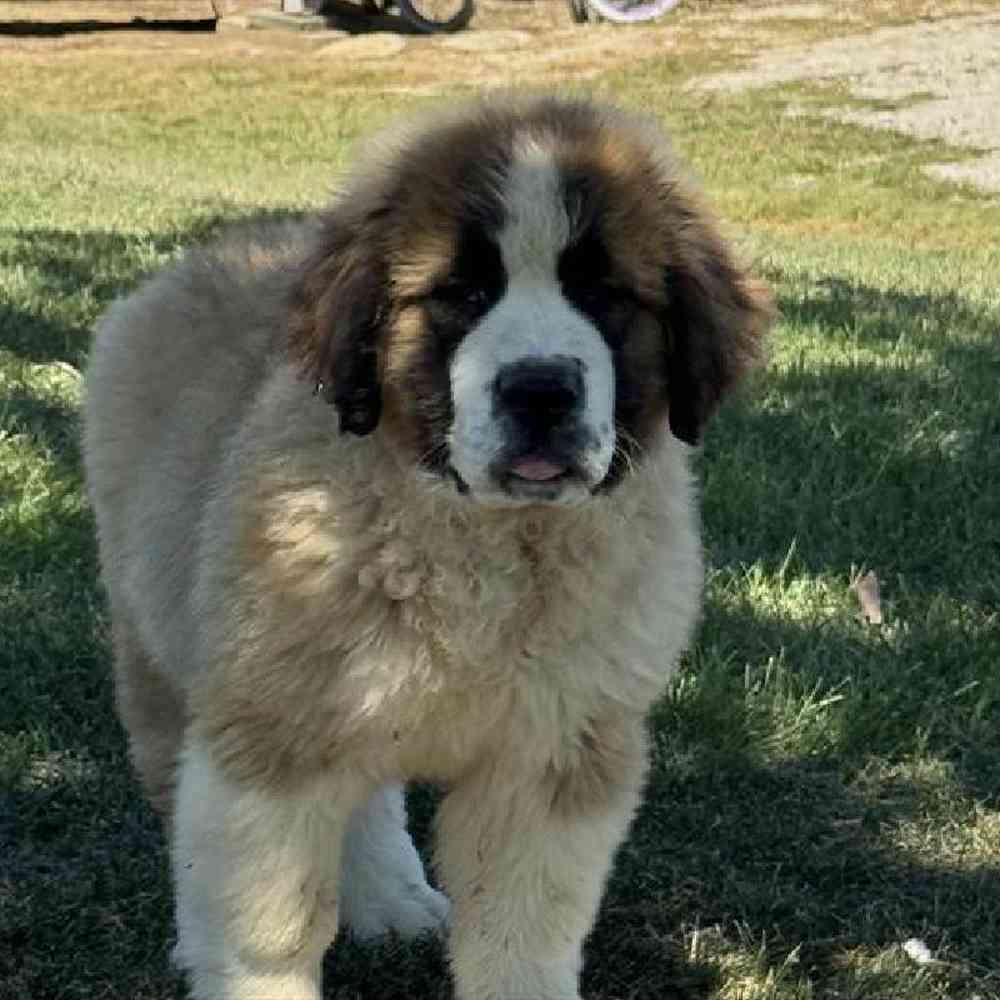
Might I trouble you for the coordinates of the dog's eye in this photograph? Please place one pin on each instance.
(599, 297)
(459, 295)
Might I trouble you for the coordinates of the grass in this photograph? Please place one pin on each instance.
(823, 789)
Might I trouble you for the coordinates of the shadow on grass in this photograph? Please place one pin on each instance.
(56, 29)
(71, 275)
(940, 321)
(53, 426)
(359, 18)
(787, 856)
(882, 457)
(762, 858)
(39, 338)
(777, 867)
(66, 278)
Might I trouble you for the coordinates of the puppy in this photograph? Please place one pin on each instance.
(401, 491)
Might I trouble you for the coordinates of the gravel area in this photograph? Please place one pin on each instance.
(943, 77)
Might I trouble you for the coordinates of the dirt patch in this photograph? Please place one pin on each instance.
(487, 40)
(793, 11)
(938, 80)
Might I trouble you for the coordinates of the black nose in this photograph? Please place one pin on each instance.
(540, 389)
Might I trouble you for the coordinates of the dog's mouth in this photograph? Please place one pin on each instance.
(529, 478)
(538, 477)
(537, 469)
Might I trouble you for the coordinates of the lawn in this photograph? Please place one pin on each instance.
(824, 789)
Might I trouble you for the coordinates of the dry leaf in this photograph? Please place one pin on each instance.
(866, 587)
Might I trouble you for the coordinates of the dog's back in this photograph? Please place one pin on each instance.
(172, 368)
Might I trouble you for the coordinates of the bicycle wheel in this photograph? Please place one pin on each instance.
(629, 11)
(437, 15)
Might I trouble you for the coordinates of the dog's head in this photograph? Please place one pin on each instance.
(525, 295)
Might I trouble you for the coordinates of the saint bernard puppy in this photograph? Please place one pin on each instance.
(401, 491)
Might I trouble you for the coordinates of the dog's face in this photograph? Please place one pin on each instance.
(524, 297)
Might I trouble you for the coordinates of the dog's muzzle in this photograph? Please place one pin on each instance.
(540, 403)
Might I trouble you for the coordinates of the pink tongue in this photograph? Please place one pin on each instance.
(537, 469)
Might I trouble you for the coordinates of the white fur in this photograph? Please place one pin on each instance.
(536, 227)
(533, 321)
(383, 888)
(256, 877)
(525, 884)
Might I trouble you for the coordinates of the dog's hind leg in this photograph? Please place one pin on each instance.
(152, 713)
(383, 886)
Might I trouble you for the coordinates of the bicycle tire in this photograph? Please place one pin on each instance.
(420, 20)
(631, 13)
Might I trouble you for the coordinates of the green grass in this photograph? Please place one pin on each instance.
(823, 789)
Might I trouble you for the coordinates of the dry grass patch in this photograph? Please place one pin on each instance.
(699, 36)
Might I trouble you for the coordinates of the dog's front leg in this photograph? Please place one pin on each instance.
(524, 857)
(256, 871)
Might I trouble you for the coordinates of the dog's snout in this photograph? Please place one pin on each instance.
(545, 389)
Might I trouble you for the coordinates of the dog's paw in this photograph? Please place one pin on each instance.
(380, 903)
(383, 888)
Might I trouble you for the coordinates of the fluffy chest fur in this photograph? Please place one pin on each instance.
(356, 610)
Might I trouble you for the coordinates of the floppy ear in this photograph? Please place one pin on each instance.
(715, 319)
(338, 304)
